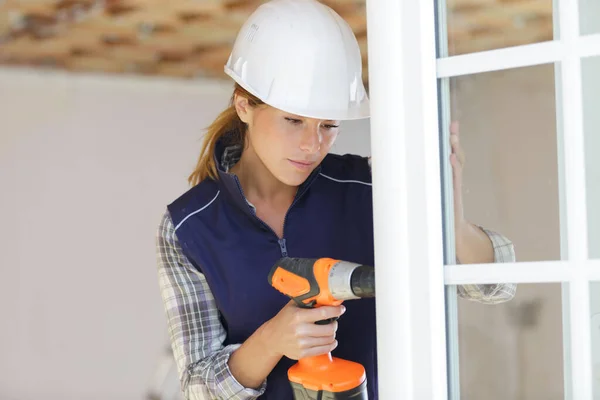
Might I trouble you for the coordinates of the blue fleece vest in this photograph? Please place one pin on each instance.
(330, 217)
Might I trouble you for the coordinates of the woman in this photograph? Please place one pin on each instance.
(265, 186)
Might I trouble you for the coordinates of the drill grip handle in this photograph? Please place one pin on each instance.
(295, 277)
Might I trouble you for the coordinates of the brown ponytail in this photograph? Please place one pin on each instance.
(228, 122)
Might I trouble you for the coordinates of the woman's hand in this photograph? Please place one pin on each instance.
(294, 334)
(472, 244)
(457, 160)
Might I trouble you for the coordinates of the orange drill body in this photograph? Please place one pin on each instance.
(315, 283)
(294, 285)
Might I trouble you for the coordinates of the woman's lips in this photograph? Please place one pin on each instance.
(302, 165)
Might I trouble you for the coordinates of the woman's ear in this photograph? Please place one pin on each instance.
(243, 108)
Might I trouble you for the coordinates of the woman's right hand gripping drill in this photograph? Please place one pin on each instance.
(292, 333)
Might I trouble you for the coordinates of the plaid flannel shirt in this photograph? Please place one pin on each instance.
(194, 327)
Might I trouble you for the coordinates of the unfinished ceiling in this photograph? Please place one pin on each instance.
(189, 38)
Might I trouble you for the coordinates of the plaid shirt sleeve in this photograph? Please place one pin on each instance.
(495, 293)
(194, 327)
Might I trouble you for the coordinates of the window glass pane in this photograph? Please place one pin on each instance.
(510, 185)
(513, 350)
(591, 125)
(589, 16)
(478, 25)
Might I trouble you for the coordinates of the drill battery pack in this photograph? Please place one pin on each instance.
(357, 393)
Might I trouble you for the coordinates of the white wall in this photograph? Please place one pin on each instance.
(87, 165)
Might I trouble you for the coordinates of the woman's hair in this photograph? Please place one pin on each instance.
(227, 123)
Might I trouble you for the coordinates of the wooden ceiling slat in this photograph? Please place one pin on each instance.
(247, 6)
(169, 42)
(94, 64)
(216, 58)
(6, 24)
(18, 48)
(208, 34)
(131, 54)
(154, 16)
(344, 7)
(188, 68)
(30, 50)
(358, 23)
(176, 70)
(38, 8)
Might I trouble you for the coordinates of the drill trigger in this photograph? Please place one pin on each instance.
(326, 321)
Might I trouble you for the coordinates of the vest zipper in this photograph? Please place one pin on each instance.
(282, 242)
(284, 252)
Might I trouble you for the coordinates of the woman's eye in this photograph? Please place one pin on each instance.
(293, 121)
(330, 126)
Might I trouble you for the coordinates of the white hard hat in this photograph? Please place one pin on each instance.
(301, 57)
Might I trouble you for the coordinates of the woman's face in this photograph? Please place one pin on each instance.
(290, 146)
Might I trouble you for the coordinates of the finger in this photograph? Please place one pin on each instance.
(314, 330)
(458, 162)
(454, 144)
(317, 351)
(456, 171)
(454, 161)
(321, 313)
(312, 342)
(454, 128)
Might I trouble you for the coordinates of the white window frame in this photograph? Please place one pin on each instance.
(404, 74)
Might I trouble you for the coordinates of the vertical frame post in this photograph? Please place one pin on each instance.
(579, 343)
(406, 200)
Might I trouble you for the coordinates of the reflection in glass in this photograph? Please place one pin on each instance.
(488, 25)
(513, 350)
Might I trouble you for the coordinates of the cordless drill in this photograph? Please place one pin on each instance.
(315, 282)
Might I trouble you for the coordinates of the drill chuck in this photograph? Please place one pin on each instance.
(363, 281)
(349, 281)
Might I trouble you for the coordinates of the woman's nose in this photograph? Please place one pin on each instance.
(311, 139)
